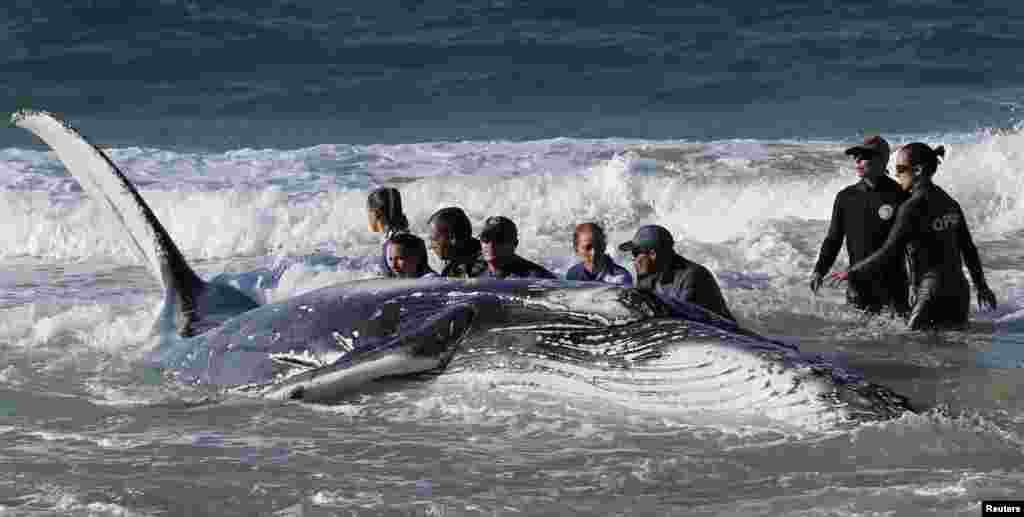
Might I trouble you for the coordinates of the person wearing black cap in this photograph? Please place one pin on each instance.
(661, 270)
(932, 228)
(385, 215)
(451, 239)
(863, 215)
(498, 242)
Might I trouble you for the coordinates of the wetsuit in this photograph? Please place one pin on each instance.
(612, 273)
(931, 228)
(518, 267)
(687, 281)
(864, 216)
(466, 262)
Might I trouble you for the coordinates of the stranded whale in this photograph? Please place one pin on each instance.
(322, 344)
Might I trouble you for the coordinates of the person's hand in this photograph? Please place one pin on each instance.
(838, 278)
(816, 280)
(986, 298)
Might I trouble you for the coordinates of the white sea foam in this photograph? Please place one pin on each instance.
(252, 202)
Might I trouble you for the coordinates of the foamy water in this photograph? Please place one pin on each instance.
(500, 434)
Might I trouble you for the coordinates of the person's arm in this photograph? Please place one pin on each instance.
(833, 239)
(701, 288)
(686, 286)
(903, 230)
(986, 298)
(970, 252)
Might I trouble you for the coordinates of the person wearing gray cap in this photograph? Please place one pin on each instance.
(863, 214)
(498, 242)
(661, 270)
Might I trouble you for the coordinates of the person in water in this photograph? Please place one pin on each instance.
(385, 215)
(407, 257)
(661, 270)
(498, 242)
(451, 239)
(930, 227)
(589, 242)
(863, 214)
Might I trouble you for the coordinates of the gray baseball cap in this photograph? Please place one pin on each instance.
(650, 237)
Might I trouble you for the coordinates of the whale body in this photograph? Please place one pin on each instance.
(323, 344)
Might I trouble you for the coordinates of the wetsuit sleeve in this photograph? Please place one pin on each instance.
(687, 289)
(699, 287)
(903, 230)
(970, 253)
(833, 239)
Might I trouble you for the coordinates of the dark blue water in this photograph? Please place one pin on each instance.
(181, 74)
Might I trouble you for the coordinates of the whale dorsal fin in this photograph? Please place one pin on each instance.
(106, 184)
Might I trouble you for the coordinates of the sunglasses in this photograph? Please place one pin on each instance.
(864, 155)
(905, 169)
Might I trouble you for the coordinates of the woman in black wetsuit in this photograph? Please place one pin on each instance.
(385, 215)
(931, 229)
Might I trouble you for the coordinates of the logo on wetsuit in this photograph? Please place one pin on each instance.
(945, 222)
(885, 212)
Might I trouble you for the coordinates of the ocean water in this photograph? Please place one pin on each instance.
(256, 133)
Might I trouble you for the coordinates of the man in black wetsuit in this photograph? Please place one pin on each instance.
(932, 228)
(863, 214)
(498, 242)
(451, 239)
(661, 270)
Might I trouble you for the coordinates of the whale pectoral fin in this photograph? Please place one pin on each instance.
(424, 349)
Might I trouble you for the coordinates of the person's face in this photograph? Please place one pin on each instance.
(645, 261)
(440, 241)
(870, 165)
(495, 252)
(585, 249)
(375, 223)
(904, 172)
(402, 264)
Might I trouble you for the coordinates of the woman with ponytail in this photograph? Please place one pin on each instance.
(931, 229)
(385, 215)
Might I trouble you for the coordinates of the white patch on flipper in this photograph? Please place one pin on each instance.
(102, 181)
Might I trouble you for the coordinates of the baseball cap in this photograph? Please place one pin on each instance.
(499, 229)
(872, 145)
(649, 237)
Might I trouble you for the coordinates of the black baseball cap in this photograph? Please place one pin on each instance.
(872, 145)
(650, 237)
(499, 229)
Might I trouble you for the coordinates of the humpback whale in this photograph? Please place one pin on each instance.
(322, 344)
